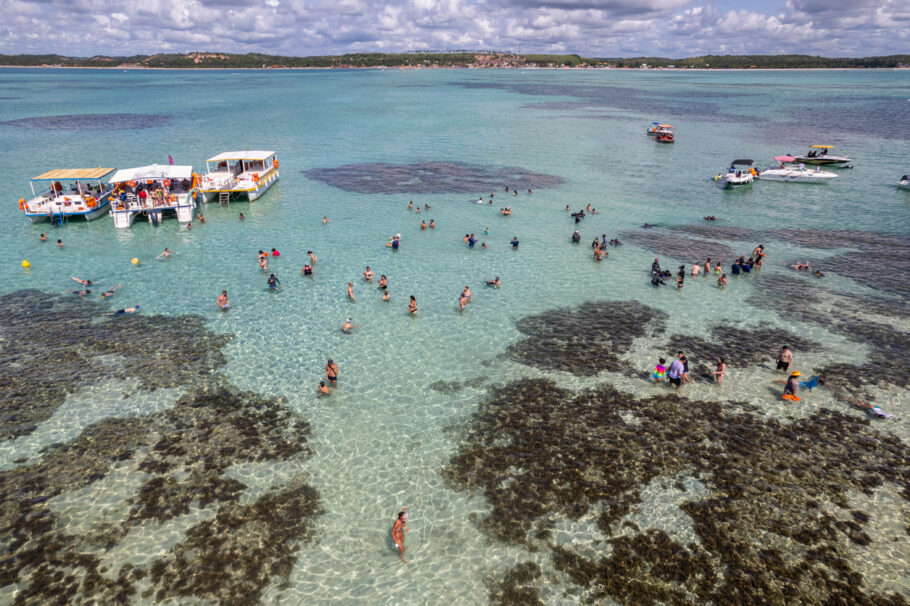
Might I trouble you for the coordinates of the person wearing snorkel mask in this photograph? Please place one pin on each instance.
(401, 524)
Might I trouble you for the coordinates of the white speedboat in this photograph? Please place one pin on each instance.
(820, 154)
(790, 172)
(153, 191)
(67, 193)
(904, 183)
(242, 173)
(740, 174)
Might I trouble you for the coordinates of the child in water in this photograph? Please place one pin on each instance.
(659, 371)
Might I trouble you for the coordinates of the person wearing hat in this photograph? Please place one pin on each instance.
(347, 326)
(792, 387)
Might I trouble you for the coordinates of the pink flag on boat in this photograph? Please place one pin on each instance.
(169, 159)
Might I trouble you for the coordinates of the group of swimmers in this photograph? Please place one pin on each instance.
(741, 265)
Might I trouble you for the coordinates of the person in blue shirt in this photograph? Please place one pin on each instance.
(514, 241)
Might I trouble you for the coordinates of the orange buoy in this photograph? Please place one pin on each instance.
(21, 203)
(132, 184)
(166, 182)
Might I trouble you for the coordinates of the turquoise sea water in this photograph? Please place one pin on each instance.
(380, 441)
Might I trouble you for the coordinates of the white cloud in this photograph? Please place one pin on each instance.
(673, 28)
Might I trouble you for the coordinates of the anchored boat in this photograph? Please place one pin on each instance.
(820, 154)
(67, 193)
(740, 174)
(153, 191)
(664, 134)
(244, 173)
(795, 173)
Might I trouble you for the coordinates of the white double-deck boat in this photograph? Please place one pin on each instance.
(904, 183)
(66, 193)
(153, 191)
(795, 173)
(820, 154)
(740, 174)
(243, 173)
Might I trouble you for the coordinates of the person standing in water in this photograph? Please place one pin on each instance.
(351, 291)
(331, 372)
(791, 389)
(784, 358)
(412, 306)
(223, 301)
(398, 530)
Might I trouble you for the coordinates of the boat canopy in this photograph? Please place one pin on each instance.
(785, 158)
(741, 163)
(242, 155)
(74, 173)
(665, 125)
(155, 171)
(822, 146)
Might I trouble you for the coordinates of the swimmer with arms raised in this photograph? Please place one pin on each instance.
(398, 530)
(110, 291)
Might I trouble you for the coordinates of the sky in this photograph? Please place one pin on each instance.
(593, 28)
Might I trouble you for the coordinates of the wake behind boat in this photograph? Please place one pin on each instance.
(820, 154)
(69, 193)
(790, 172)
(740, 174)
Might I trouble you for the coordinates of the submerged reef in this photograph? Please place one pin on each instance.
(430, 178)
(691, 250)
(738, 346)
(585, 340)
(170, 464)
(93, 122)
(54, 345)
(774, 526)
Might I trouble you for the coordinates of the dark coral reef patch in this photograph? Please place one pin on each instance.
(54, 345)
(95, 122)
(585, 340)
(178, 458)
(430, 178)
(537, 452)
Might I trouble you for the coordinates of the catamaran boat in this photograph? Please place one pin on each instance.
(795, 173)
(664, 133)
(819, 154)
(153, 191)
(904, 183)
(243, 173)
(740, 174)
(66, 193)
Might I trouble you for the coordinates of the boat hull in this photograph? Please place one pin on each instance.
(727, 185)
(903, 184)
(823, 160)
(88, 215)
(796, 176)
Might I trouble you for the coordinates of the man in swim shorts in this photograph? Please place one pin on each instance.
(331, 372)
(273, 282)
(110, 291)
(223, 301)
(784, 358)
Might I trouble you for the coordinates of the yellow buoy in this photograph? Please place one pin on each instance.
(26, 264)
(135, 260)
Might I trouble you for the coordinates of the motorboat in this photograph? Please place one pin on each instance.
(790, 171)
(153, 191)
(664, 134)
(820, 154)
(247, 174)
(652, 130)
(67, 193)
(740, 174)
(904, 183)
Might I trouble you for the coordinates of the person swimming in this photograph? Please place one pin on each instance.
(110, 291)
(495, 282)
(125, 310)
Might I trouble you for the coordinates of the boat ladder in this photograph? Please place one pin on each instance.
(224, 197)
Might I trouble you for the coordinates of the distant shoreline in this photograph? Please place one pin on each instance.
(410, 68)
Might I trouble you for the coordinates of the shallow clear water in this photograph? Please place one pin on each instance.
(381, 439)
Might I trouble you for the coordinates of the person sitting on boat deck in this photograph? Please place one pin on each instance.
(273, 282)
(110, 291)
